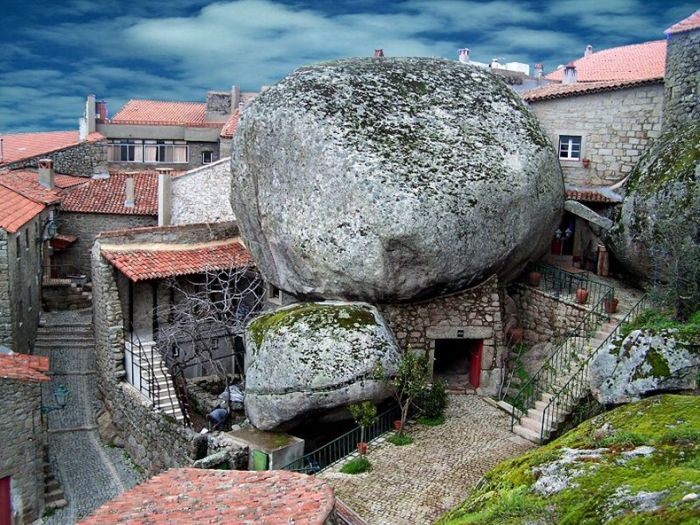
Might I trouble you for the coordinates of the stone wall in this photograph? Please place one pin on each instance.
(5, 313)
(22, 438)
(615, 126)
(86, 226)
(681, 80)
(156, 442)
(202, 195)
(476, 313)
(544, 317)
(81, 160)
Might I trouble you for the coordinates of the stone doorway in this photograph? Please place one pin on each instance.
(458, 362)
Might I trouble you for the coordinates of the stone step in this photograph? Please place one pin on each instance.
(51, 484)
(58, 504)
(527, 434)
(54, 494)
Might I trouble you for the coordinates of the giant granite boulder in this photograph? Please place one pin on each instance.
(658, 222)
(643, 363)
(392, 179)
(313, 357)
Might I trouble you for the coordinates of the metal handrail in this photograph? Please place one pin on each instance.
(342, 446)
(153, 388)
(560, 282)
(565, 354)
(572, 391)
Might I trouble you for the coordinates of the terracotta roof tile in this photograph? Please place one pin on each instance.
(551, 91)
(590, 196)
(26, 183)
(154, 262)
(109, 195)
(24, 367)
(16, 210)
(20, 146)
(688, 24)
(229, 129)
(634, 62)
(188, 495)
(156, 112)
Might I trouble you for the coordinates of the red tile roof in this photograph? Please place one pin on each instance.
(26, 183)
(188, 495)
(634, 62)
(160, 113)
(109, 195)
(24, 367)
(20, 146)
(141, 263)
(229, 129)
(552, 91)
(688, 24)
(16, 210)
(590, 196)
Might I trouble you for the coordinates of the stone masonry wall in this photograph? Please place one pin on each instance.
(22, 438)
(81, 160)
(5, 313)
(475, 312)
(202, 195)
(86, 226)
(615, 126)
(681, 80)
(544, 317)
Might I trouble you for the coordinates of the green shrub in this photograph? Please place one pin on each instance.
(678, 435)
(431, 421)
(433, 401)
(356, 466)
(622, 438)
(400, 440)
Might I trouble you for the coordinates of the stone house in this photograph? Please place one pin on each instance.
(22, 434)
(27, 229)
(179, 135)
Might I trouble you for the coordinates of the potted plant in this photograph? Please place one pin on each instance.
(365, 415)
(534, 278)
(516, 334)
(409, 382)
(582, 295)
(586, 163)
(610, 304)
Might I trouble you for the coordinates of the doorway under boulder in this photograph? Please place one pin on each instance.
(458, 362)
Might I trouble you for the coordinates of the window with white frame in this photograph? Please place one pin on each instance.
(569, 147)
(207, 157)
(148, 151)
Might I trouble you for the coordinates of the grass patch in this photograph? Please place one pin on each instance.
(400, 440)
(432, 421)
(356, 466)
(680, 435)
(657, 320)
(624, 439)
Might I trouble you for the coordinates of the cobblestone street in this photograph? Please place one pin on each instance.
(89, 472)
(415, 484)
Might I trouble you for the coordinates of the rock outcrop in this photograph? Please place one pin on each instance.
(313, 357)
(643, 363)
(390, 180)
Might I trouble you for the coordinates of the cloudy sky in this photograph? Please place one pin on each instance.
(56, 52)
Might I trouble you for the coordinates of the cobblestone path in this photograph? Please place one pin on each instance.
(89, 472)
(415, 484)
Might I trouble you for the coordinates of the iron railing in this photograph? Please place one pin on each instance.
(64, 271)
(138, 362)
(568, 396)
(344, 445)
(564, 285)
(565, 357)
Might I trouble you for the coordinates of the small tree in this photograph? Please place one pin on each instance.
(365, 415)
(409, 382)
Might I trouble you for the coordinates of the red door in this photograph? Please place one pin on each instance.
(5, 502)
(475, 365)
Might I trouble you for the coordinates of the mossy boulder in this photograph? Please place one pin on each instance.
(313, 357)
(642, 363)
(638, 464)
(392, 179)
(660, 211)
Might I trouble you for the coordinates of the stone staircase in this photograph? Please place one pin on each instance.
(65, 331)
(54, 497)
(530, 426)
(65, 294)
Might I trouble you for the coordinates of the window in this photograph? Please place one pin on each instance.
(18, 245)
(569, 147)
(26, 239)
(207, 157)
(148, 151)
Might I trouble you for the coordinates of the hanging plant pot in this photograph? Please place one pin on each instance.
(362, 448)
(516, 335)
(611, 305)
(534, 278)
(397, 425)
(581, 296)
(586, 163)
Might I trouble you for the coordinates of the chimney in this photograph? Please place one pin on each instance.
(378, 53)
(539, 73)
(589, 50)
(46, 174)
(464, 55)
(89, 115)
(235, 98)
(101, 110)
(164, 198)
(130, 192)
(569, 74)
(82, 129)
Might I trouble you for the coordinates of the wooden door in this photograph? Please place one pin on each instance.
(5, 501)
(475, 365)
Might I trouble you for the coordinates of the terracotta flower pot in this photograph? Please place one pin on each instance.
(586, 163)
(397, 425)
(362, 448)
(534, 278)
(581, 296)
(516, 335)
(611, 305)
